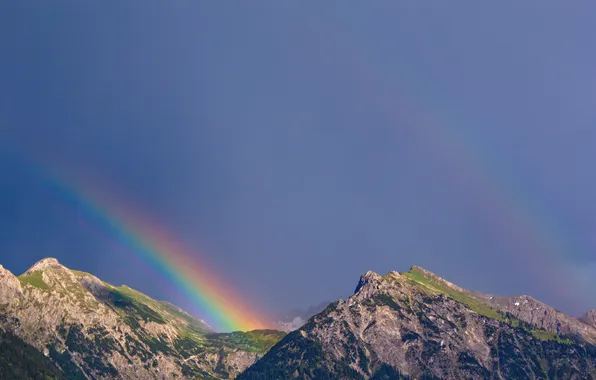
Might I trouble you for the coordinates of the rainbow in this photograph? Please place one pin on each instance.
(537, 242)
(222, 307)
(538, 247)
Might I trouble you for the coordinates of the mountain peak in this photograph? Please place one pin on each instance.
(369, 277)
(44, 264)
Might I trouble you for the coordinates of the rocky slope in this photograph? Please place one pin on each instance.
(91, 329)
(417, 325)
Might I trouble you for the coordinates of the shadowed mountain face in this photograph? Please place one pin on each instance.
(87, 328)
(19, 360)
(417, 325)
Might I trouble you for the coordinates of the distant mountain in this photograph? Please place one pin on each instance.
(57, 323)
(69, 324)
(295, 318)
(417, 325)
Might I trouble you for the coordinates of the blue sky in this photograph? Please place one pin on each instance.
(279, 139)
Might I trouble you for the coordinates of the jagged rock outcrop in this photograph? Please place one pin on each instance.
(418, 325)
(370, 281)
(590, 318)
(91, 329)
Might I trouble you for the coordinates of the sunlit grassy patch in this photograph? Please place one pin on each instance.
(548, 336)
(34, 279)
(438, 287)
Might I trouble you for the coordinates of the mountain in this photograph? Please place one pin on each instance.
(81, 327)
(417, 325)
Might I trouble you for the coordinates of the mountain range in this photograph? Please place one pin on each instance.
(58, 323)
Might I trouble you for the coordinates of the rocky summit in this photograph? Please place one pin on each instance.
(416, 325)
(60, 323)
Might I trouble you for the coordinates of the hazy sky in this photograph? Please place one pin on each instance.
(299, 145)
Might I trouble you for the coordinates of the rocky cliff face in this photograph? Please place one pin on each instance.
(417, 325)
(91, 329)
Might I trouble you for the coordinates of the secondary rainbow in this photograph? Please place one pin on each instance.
(538, 244)
(222, 306)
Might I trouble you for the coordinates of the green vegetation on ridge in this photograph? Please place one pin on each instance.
(134, 306)
(549, 336)
(259, 341)
(438, 286)
(34, 279)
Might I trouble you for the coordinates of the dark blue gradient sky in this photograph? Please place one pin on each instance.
(293, 143)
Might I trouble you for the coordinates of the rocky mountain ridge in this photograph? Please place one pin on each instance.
(412, 324)
(91, 329)
(417, 325)
(523, 308)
